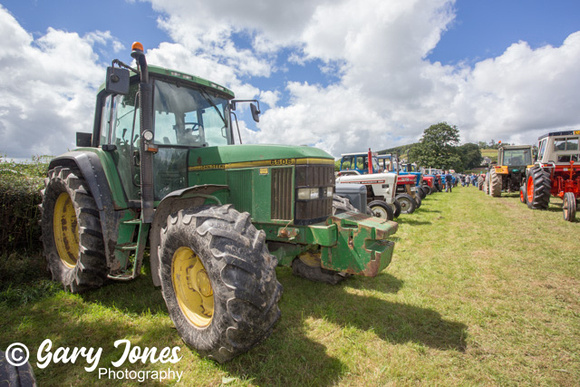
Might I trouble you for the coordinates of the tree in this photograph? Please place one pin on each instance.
(470, 155)
(438, 147)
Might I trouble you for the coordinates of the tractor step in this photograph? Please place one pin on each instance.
(135, 245)
(128, 247)
(125, 276)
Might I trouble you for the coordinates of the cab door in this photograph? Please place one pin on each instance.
(119, 137)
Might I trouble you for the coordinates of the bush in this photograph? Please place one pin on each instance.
(20, 185)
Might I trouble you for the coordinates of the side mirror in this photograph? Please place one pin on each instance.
(84, 139)
(117, 81)
(255, 112)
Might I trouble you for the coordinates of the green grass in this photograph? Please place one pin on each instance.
(481, 291)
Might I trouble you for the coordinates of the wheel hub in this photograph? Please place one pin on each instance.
(192, 287)
(66, 230)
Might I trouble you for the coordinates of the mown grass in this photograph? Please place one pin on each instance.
(481, 291)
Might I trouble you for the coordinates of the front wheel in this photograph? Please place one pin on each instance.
(569, 206)
(407, 203)
(381, 210)
(218, 280)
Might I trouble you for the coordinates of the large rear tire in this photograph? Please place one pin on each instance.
(71, 231)
(480, 181)
(407, 203)
(218, 280)
(538, 187)
(494, 183)
(569, 206)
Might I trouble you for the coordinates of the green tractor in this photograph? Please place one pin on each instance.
(161, 172)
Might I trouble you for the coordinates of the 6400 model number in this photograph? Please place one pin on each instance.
(282, 162)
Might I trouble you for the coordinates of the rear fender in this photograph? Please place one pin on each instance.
(91, 168)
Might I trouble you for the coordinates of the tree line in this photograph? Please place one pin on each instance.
(439, 148)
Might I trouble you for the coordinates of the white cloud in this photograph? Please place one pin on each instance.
(385, 91)
(46, 89)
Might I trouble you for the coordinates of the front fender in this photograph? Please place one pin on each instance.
(184, 198)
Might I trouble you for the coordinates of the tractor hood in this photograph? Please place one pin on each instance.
(248, 156)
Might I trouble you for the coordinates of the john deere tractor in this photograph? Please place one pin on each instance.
(509, 173)
(161, 171)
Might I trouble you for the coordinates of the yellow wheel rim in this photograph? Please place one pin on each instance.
(192, 287)
(66, 230)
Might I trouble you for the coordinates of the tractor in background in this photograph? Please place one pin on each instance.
(366, 166)
(362, 168)
(509, 173)
(556, 172)
(390, 162)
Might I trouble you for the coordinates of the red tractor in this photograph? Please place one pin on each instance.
(555, 173)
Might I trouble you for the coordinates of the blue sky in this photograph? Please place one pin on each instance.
(485, 28)
(342, 75)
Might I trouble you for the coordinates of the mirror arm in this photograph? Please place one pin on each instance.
(121, 64)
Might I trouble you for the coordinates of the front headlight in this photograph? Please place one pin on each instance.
(308, 193)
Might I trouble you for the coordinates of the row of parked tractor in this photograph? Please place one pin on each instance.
(538, 174)
(382, 185)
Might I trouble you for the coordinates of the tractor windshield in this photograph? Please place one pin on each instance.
(517, 157)
(189, 117)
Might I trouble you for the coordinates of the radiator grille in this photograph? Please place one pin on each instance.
(314, 176)
(282, 193)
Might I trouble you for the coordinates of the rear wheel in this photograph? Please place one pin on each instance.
(480, 181)
(422, 194)
(407, 203)
(71, 231)
(569, 206)
(538, 186)
(381, 210)
(396, 206)
(486, 184)
(523, 195)
(494, 183)
(218, 280)
(418, 201)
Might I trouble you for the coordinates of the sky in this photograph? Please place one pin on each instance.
(341, 75)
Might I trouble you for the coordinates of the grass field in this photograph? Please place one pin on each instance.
(481, 291)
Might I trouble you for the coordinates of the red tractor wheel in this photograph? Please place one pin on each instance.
(569, 206)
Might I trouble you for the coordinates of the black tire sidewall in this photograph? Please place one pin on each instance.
(388, 209)
(91, 268)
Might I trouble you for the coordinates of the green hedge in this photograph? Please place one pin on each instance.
(20, 185)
